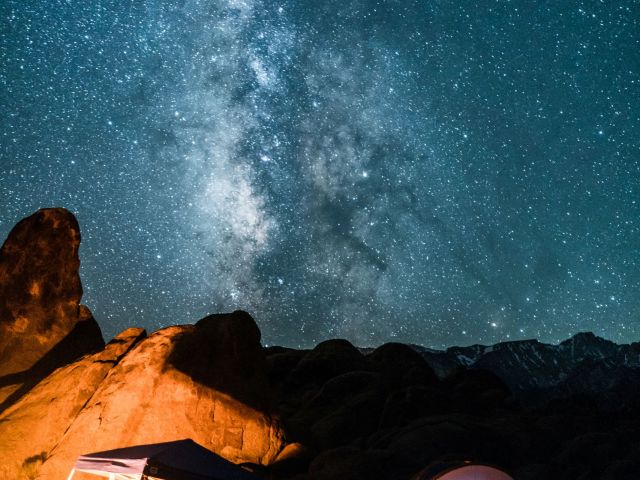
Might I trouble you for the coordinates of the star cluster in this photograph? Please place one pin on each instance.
(434, 172)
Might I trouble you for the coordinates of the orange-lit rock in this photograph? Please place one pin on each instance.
(35, 424)
(205, 381)
(40, 295)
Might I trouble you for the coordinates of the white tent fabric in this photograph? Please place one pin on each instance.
(111, 476)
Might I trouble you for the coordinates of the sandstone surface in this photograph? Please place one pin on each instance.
(206, 382)
(35, 424)
(40, 293)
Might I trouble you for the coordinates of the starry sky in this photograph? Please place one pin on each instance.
(436, 172)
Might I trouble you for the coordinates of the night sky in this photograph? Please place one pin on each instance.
(435, 172)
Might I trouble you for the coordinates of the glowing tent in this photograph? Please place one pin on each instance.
(179, 460)
(461, 471)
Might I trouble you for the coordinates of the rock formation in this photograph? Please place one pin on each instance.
(40, 307)
(35, 424)
(155, 394)
(206, 382)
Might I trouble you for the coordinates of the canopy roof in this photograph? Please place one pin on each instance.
(178, 460)
(461, 471)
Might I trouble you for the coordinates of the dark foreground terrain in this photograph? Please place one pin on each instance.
(569, 411)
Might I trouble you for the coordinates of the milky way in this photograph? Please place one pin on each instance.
(436, 172)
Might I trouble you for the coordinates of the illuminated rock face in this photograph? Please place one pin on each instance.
(36, 423)
(40, 292)
(205, 382)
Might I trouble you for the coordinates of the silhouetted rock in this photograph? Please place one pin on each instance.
(350, 463)
(592, 451)
(308, 375)
(459, 436)
(281, 362)
(412, 402)
(401, 366)
(223, 352)
(327, 360)
(347, 407)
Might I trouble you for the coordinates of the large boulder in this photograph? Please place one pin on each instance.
(590, 452)
(223, 352)
(206, 382)
(35, 424)
(42, 324)
(346, 407)
(327, 360)
(402, 366)
(415, 401)
(429, 439)
(281, 362)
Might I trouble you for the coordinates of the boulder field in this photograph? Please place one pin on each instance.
(331, 412)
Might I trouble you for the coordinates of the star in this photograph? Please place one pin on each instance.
(406, 171)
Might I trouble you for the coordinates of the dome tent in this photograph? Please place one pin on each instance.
(177, 460)
(461, 471)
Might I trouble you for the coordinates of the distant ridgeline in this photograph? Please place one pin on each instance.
(583, 364)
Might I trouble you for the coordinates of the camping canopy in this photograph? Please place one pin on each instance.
(179, 460)
(461, 471)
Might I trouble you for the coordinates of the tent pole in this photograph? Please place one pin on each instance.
(73, 470)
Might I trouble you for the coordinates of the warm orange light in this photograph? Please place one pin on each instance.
(35, 289)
